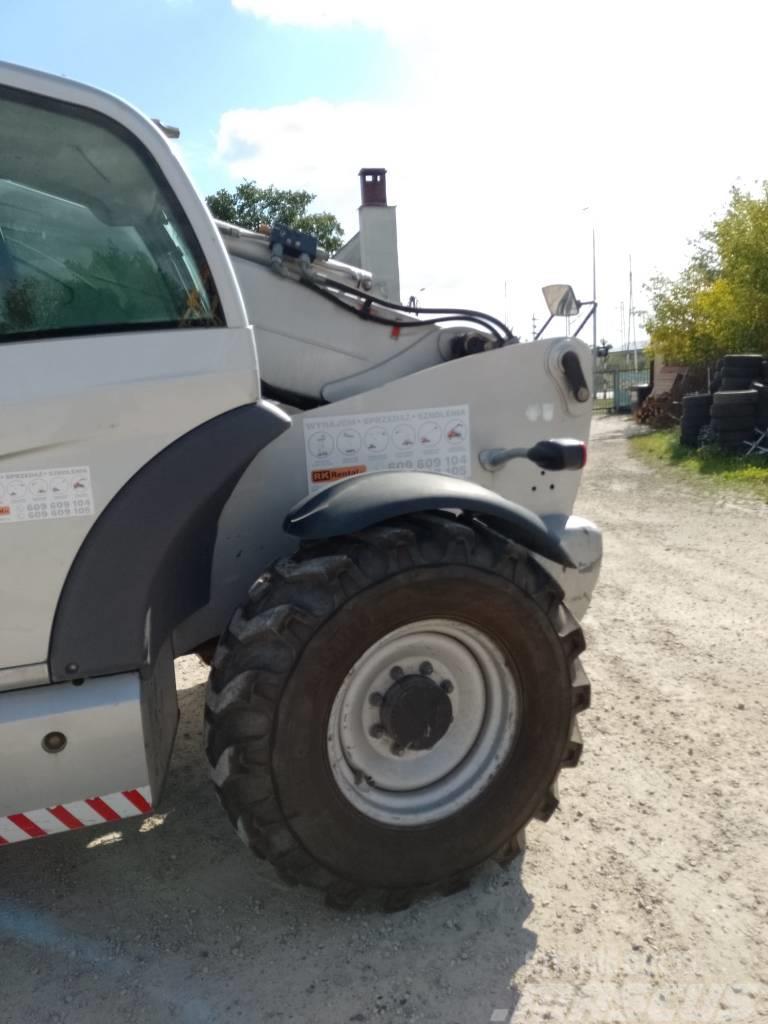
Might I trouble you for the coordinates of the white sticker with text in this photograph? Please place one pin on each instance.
(38, 494)
(430, 440)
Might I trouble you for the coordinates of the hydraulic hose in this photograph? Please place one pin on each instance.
(499, 330)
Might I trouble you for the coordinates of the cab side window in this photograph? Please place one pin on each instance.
(92, 238)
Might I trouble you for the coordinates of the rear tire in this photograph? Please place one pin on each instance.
(730, 423)
(741, 365)
(279, 745)
(734, 436)
(722, 398)
(734, 412)
(693, 423)
(696, 400)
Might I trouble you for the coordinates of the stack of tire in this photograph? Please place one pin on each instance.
(734, 418)
(737, 372)
(739, 397)
(696, 409)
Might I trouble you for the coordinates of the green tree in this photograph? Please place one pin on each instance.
(678, 325)
(719, 303)
(248, 206)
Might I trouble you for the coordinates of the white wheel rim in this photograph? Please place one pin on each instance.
(418, 786)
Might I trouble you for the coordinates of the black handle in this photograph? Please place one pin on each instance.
(559, 453)
(575, 376)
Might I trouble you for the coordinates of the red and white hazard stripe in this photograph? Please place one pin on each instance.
(95, 810)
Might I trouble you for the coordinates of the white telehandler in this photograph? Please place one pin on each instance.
(375, 537)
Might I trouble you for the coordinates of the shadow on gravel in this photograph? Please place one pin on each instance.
(612, 427)
(172, 915)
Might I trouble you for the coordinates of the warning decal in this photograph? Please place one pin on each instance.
(431, 440)
(45, 494)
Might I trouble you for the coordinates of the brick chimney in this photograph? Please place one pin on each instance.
(373, 186)
(378, 233)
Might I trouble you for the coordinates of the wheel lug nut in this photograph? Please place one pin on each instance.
(377, 730)
(425, 668)
(396, 672)
(397, 750)
(446, 686)
(376, 700)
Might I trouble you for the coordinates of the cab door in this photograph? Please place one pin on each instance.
(121, 330)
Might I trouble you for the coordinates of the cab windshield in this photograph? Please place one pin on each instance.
(91, 236)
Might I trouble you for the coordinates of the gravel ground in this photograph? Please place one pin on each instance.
(644, 899)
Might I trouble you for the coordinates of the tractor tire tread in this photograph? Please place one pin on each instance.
(265, 638)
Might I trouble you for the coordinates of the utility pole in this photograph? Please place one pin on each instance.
(621, 315)
(588, 209)
(594, 295)
(631, 319)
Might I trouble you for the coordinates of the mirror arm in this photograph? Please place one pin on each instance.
(544, 326)
(587, 318)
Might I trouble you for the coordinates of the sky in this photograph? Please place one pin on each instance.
(511, 131)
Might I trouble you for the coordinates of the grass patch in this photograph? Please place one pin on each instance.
(748, 474)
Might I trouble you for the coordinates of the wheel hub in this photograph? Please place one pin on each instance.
(416, 712)
(422, 722)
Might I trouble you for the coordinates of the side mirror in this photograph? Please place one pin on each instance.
(561, 300)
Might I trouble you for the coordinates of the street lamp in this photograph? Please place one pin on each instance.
(603, 349)
(413, 302)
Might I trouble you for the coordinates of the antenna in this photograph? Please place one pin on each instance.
(629, 310)
(631, 324)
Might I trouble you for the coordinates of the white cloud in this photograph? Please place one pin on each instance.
(509, 120)
(305, 143)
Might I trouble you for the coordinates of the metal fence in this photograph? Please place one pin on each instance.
(611, 389)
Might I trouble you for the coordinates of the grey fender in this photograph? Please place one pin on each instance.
(145, 564)
(366, 500)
